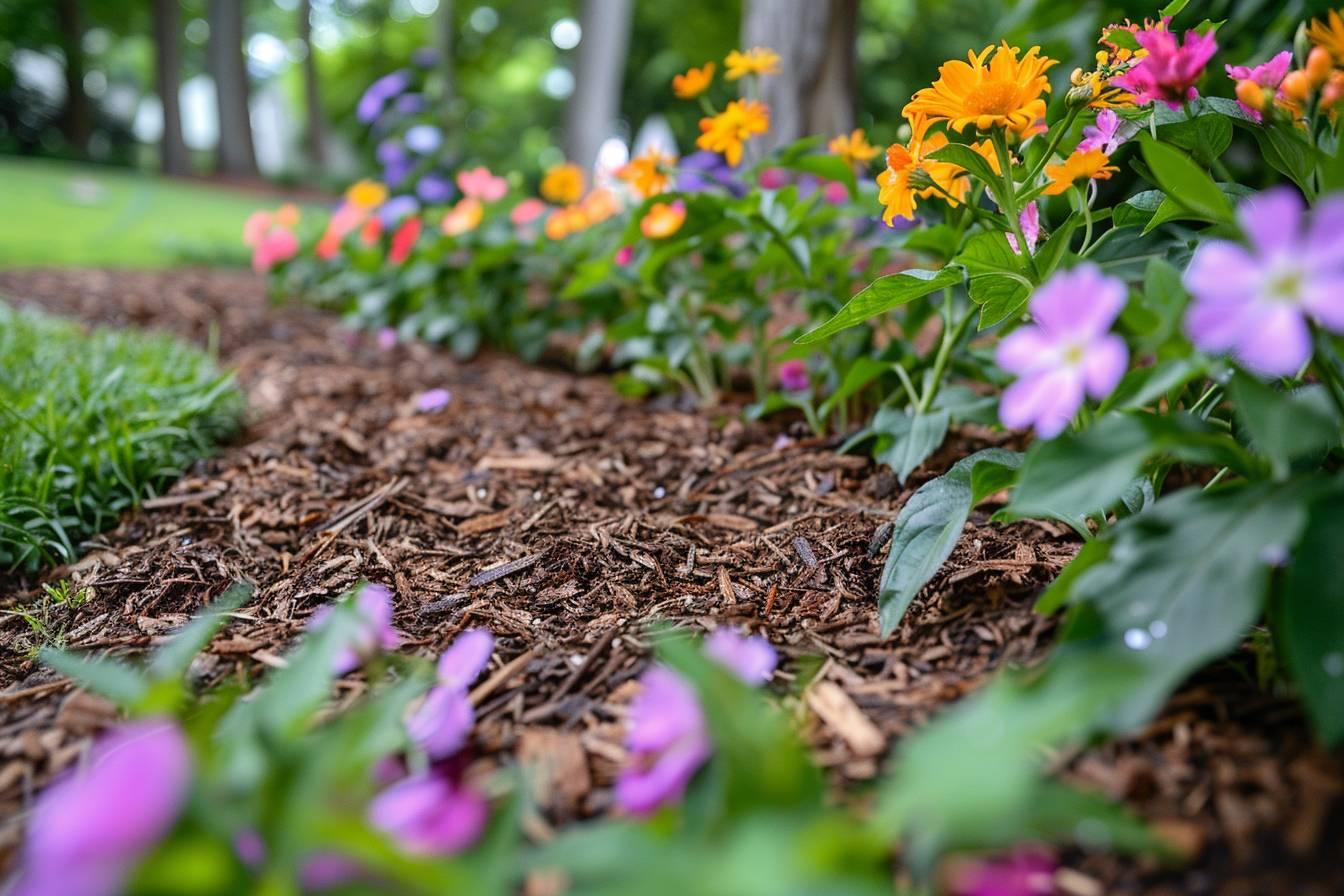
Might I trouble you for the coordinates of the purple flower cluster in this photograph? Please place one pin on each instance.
(442, 723)
(374, 632)
(379, 93)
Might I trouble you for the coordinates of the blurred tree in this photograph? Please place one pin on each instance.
(77, 117)
(224, 56)
(596, 103)
(167, 26)
(445, 28)
(315, 124)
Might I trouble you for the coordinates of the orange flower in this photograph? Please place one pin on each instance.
(695, 82)
(372, 231)
(565, 221)
(599, 205)
(756, 61)
(464, 217)
(739, 122)
(1328, 34)
(853, 147)
(366, 194)
(648, 174)
(898, 184)
(663, 219)
(1005, 93)
(1092, 165)
(563, 184)
(287, 215)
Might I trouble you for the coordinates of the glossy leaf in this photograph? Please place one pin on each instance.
(882, 295)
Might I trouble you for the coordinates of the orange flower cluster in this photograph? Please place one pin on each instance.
(599, 205)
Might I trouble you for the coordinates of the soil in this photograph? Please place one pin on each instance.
(563, 517)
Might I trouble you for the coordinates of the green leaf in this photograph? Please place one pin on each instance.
(1057, 594)
(927, 528)
(1205, 137)
(172, 659)
(1284, 426)
(1173, 8)
(113, 679)
(940, 240)
(913, 438)
(882, 295)
(862, 372)
(1288, 153)
(996, 280)
(965, 157)
(1184, 181)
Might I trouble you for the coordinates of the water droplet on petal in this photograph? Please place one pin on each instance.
(1137, 639)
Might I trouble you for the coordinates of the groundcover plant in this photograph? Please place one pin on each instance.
(1174, 351)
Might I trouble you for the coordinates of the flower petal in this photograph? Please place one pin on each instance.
(1104, 364)
(1278, 344)
(465, 658)
(1272, 219)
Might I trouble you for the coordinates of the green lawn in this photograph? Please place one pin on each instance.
(61, 213)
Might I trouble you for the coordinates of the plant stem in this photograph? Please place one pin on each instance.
(1009, 198)
(950, 339)
(1328, 369)
(1060, 131)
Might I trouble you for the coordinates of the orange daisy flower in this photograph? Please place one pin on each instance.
(695, 82)
(756, 61)
(1004, 92)
(1092, 165)
(663, 219)
(853, 148)
(1328, 34)
(563, 184)
(648, 174)
(898, 185)
(726, 132)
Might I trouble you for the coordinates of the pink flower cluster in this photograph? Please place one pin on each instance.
(270, 236)
(1171, 69)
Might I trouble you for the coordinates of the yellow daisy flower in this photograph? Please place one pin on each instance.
(1092, 164)
(648, 174)
(366, 194)
(563, 184)
(726, 132)
(853, 147)
(756, 61)
(1328, 34)
(1003, 93)
(695, 82)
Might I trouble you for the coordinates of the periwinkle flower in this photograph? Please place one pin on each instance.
(396, 172)
(423, 139)
(703, 171)
(751, 659)
(444, 720)
(390, 152)
(409, 104)
(1257, 301)
(90, 829)
(1108, 134)
(430, 814)
(435, 189)
(1066, 352)
(379, 92)
(432, 400)
(1170, 70)
(374, 631)
(425, 57)
(394, 210)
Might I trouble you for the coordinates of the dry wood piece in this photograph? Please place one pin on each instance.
(493, 573)
(835, 708)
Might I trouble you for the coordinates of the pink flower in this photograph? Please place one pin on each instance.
(667, 736)
(280, 244)
(443, 722)
(433, 401)
(387, 339)
(1255, 302)
(1068, 350)
(773, 179)
(1030, 222)
(792, 376)
(835, 193)
(527, 211)
(1267, 74)
(403, 240)
(255, 227)
(428, 814)
(1025, 872)
(625, 255)
(374, 632)
(91, 828)
(1108, 134)
(479, 183)
(1170, 70)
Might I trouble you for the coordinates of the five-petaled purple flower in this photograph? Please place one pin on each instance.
(1108, 134)
(443, 722)
(1170, 70)
(1025, 872)
(430, 813)
(1256, 302)
(1268, 75)
(374, 631)
(667, 735)
(89, 829)
(1067, 350)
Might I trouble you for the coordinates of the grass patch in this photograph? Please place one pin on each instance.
(92, 423)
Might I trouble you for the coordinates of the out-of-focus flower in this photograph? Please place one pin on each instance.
(1025, 872)
(1329, 34)
(443, 722)
(773, 179)
(435, 189)
(599, 205)
(726, 132)
(479, 183)
(1005, 93)
(835, 192)
(396, 173)
(366, 194)
(1256, 301)
(279, 244)
(390, 152)
(527, 211)
(751, 659)
(403, 240)
(90, 829)
(625, 255)
(250, 848)
(1267, 76)
(371, 104)
(649, 173)
(910, 173)
(387, 339)
(409, 104)
(564, 222)
(255, 227)
(563, 183)
(793, 376)
(373, 633)
(1092, 165)
(344, 220)
(755, 61)
(1067, 351)
(695, 82)
(329, 870)
(703, 171)
(464, 217)
(433, 400)
(663, 219)
(425, 57)
(429, 814)
(372, 231)
(398, 207)
(1108, 134)
(853, 148)
(1170, 69)
(1030, 222)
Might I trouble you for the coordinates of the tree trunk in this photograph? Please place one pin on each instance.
(814, 92)
(316, 125)
(596, 103)
(225, 60)
(167, 26)
(446, 31)
(77, 118)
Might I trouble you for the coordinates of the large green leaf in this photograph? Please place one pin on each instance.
(1285, 426)
(1287, 152)
(997, 283)
(967, 158)
(111, 678)
(172, 659)
(913, 438)
(882, 295)
(1185, 182)
(928, 526)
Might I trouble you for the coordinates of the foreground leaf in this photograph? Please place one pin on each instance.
(882, 295)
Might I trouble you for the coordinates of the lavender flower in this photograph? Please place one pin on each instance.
(379, 92)
(1256, 301)
(443, 722)
(390, 152)
(751, 659)
(1108, 134)
(435, 189)
(409, 104)
(432, 401)
(1068, 350)
(89, 830)
(429, 814)
(394, 210)
(423, 139)
(374, 632)
(703, 171)
(792, 376)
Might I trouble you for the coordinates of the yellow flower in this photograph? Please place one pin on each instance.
(1329, 34)
(1091, 164)
(897, 191)
(756, 61)
(853, 147)
(1005, 93)
(739, 122)
(694, 82)
(563, 184)
(464, 217)
(663, 219)
(366, 194)
(648, 174)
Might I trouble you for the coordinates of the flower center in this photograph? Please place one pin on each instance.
(1073, 355)
(992, 98)
(1284, 285)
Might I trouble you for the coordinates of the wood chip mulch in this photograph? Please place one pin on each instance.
(542, 505)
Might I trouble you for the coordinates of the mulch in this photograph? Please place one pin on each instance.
(563, 517)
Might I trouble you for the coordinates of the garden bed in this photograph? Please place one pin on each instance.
(563, 517)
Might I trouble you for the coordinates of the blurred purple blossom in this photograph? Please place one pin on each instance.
(1030, 222)
(703, 171)
(379, 92)
(751, 658)
(443, 722)
(792, 375)
(425, 57)
(398, 207)
(374, 631)
(395, 174)
(433, 400)
(387, 339)
(435, 189)
(430, 814)
(409, 104)
(390, 152)
(423, 139)
(1025, 872)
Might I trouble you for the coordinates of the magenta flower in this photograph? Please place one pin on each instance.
(667, 736)
(1025, 872)
(625, 255)
(433, 401)
(443, 722)
(1268, 75)
(279, 244)
(387, 339)
(429, 814)
(835, 193)
(1170, 70)
(91, 828)
(773, 179)
(373, 633)
(792, 375)
(1255, 302)
(1108, 134)
(1067, 351)
(329, 870)
(1030, 221)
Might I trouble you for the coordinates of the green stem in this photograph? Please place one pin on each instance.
(1060, 131)
(950, 339)
(1327, 368)
(1009, 199)
(909, 386)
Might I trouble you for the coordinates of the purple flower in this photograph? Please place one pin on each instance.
(394, 210)
(429, 814)
(1030, 222)
(250, 848)
(387, 339)
(773, 179)
(792, 376)
(374, 632)
(1108, 134)
(409, 104)
(1255, 302)
(666, 734)
(433, 400)
(379, 92)
(390, 152)
(1067, 351)
(443, 722)
(329, 870)
(425, 57)
(1267, 74)
(435, 189)
(1170, 70)
(424, 139)
(89, 829)
(395, 173)
(703, 171)
(1026, 872)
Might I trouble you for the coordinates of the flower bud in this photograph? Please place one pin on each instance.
(1296, 86)
(1333, 90)
(1079, 95)
(920, 180)
(1251, 94)
(1319, 65)
(1301, 44)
